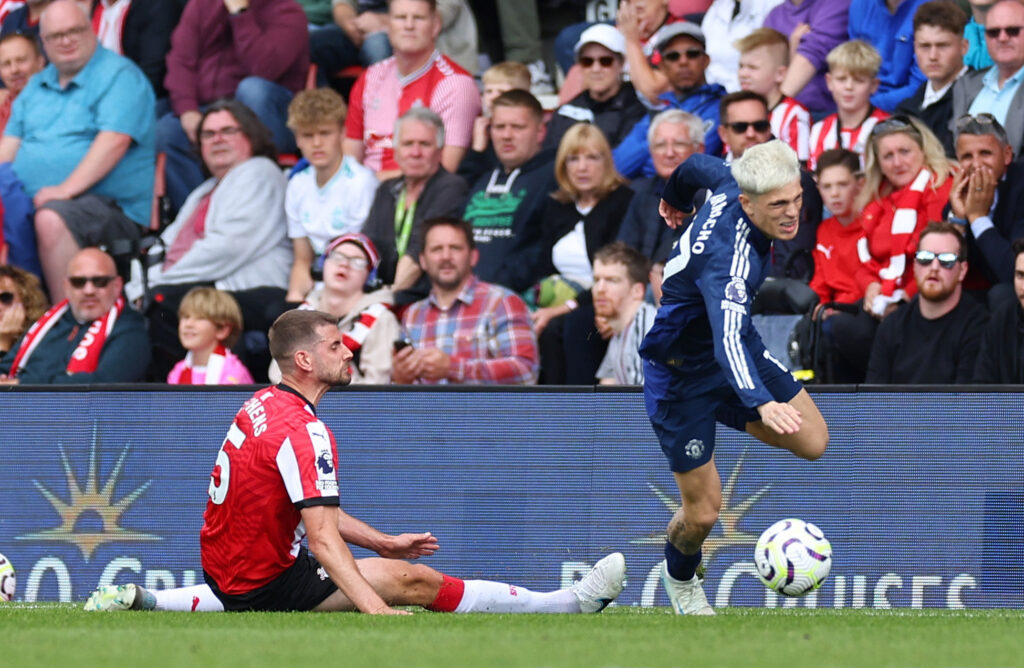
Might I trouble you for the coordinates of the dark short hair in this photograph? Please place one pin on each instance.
(520, 98)
(461, 225)
(838, 157)
(739, 96)
(638, 266)
(978, 125)
(294, 330)
(942, 14)
(945, 227)
(1018, 248)
(260, 138)
(34, 41)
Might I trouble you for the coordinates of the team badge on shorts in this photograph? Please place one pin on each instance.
(694, 449)
(736, 291)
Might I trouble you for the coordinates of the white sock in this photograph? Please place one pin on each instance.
(197, 598)
(486, 596)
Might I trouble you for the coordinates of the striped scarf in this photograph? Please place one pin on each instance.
(86, 357)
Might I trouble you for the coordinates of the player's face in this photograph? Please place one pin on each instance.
(222, 143)
(1018, 278)
(91, 301)
(586, 170)
(738, 130)
(899, 157)
(776, 213)
(331, 358)
(341, 275)
(446, 257)
(18, 61)
(939, 53)
(321, 145)
(602, 71)
(198, 334)
(973, 151)
(935, 282)
(759, 72)
(613, 289)
(683, 60)
(851, 92)
(416, 150)
(412, 27)
(839, 188)
(671, 146)
(516, 134)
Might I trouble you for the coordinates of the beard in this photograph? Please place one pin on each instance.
(936, 292)
(333, 376)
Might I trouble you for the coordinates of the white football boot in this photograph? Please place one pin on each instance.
(602, 584)
(120, 597)
(687, 597)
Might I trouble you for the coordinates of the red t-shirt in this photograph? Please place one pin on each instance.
(836, 262)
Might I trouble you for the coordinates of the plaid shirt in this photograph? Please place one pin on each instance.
(486, 331)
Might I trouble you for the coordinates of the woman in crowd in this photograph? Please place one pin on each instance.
(22, 302)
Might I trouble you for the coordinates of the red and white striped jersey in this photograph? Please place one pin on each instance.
(826, 134)
(380, 96)
(276, 459)
(791, 122)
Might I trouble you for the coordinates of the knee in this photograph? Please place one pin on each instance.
(694, 522)
(49, 226)
(253, 91)
(814, 447)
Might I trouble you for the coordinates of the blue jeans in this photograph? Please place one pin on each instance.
(268, 100)
(331, 51)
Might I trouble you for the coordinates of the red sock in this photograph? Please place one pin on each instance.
(449, 595)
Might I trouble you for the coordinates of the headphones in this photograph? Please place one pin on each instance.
(361, 240)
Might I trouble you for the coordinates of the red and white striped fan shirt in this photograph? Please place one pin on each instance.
(826, 134)
(791, 122)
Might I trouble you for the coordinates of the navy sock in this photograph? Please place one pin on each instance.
(681, 566)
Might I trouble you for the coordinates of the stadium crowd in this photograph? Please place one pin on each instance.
(174, 175)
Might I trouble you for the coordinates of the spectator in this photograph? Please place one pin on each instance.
(620, 282)
(20, 58)
(422, 191)
(1000, 359)
(639, 23)
(466, 331)
(852, 78)
(836, 262)
(140, 31)
(998, 89)
(673, 136)
(606, 100)
(89, 337)
(889, 27)
(500, 78)
(81, 140)
(22, 302)
(351, 293)
(815, 27)
(209, 323)
(764, 61)
(684, 62)
(505, 206)
(934, 338)
(977, 57)
(725, 22)
(256, 51)
(939, 47)
(25, 19)
(416, 74)
(330, 196)
(231, 233)
(987, 197)
(582, 216)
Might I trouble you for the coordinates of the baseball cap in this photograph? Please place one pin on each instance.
(669, 32)
(605, 35)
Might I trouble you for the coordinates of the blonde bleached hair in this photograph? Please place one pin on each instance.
(582, 137)
(778, 43)
(875, 184)
(766, 167)
(215, 305)
(310, 108)
(856, 57)
(514, 74)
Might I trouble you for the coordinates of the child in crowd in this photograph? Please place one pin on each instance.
(852, 79)
(209, 322)
(764, 61)
(836, 261)
(332, 195)
(497, 79)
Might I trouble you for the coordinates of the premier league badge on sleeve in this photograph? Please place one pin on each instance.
(736, 291)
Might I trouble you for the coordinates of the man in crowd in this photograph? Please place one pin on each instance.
(888, 26)
(90, 337)
(1001, 358)
(20, 58)
(620, 284)
(466, 331)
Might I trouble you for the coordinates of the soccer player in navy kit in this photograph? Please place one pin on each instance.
(703, 360)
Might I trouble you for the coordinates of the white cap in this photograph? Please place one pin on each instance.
(670, 31)
(605, 35)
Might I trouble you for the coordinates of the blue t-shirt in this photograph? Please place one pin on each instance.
(58, 125)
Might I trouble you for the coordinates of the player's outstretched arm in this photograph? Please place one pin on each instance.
(333, 554)
(402, 546)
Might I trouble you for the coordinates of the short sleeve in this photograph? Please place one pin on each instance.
(307, 462)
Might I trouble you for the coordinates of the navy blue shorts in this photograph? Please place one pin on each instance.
(684, 422)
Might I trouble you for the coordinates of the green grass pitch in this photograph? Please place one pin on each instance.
(63, 635)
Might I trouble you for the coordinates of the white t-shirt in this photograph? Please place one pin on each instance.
(622, 361)
(570, 257)
(341, 206)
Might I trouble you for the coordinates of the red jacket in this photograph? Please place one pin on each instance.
(836, 262)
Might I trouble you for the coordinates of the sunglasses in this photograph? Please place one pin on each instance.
(739, 127)
(1011, 31)
(603, 61)
(7, 298)
(983, 118)
(78, 282)
(893, 124)
(946, 260)
(691, 54)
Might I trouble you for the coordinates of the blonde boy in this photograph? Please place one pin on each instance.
(852, 79)
(209, 323)
(764, 60)
(497, 79)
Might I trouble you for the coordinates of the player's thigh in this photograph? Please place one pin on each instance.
(684, 424)
(397, 582)
(809, 441)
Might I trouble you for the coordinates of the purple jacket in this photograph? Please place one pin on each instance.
(211, 51)
(828, 20)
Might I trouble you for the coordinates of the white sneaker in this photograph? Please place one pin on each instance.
(602, 584)
(112, 597)
(687, 597)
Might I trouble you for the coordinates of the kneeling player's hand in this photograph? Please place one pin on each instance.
(779, 417)
(410, 546)
(388, 610)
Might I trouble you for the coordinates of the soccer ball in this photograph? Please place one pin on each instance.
(793, 557)
(7, 579)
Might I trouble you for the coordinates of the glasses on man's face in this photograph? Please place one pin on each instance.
(739, 127)
(7, 298)
(353, 261)
(72, 34)
(946, 260)
(587, 62)
(995, 32)
(230, 131)
(691, 54)
(78, 282)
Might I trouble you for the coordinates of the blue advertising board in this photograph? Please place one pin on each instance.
(921, 494)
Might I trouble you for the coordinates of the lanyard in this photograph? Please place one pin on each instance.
(403, 223)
